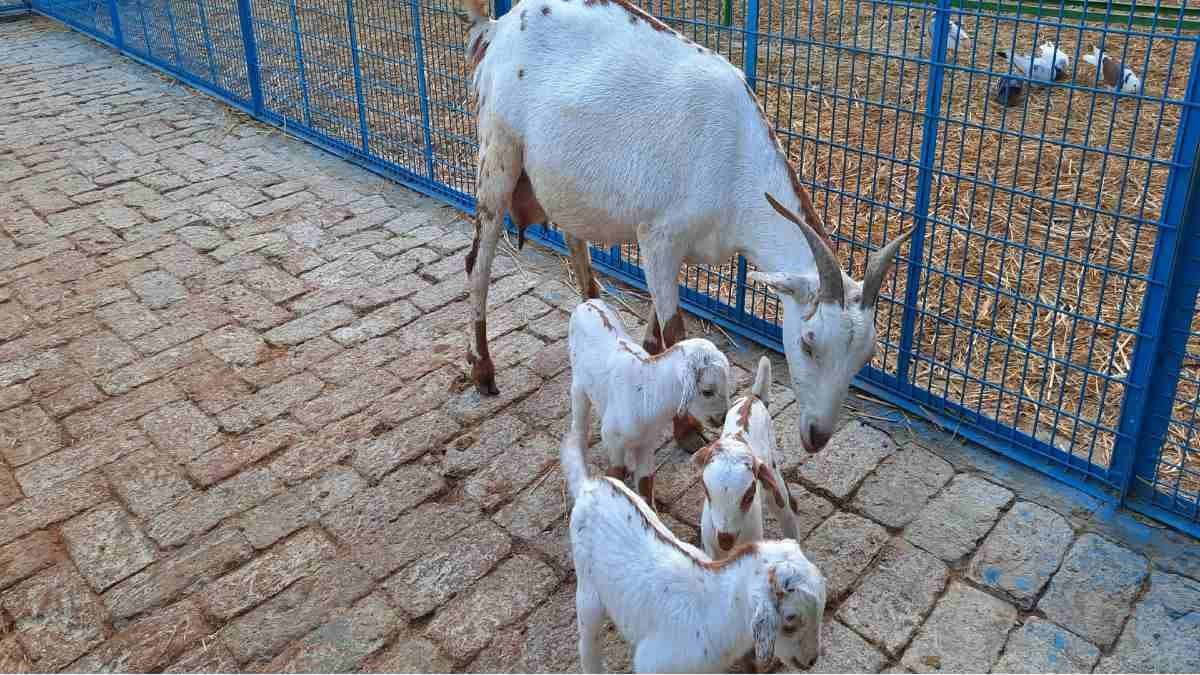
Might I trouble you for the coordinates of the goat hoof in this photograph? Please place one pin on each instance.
(484, 376)
(687, 434)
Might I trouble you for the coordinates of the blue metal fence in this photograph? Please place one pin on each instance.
(1048, 307)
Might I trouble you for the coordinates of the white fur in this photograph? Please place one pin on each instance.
(634, 395)
(630, 132)
(678, 610)
(732, 467)
(1130, 83)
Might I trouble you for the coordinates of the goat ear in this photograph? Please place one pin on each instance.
(704, 455)
(688, 372)
(765, 629)
(802, 287)
(766, 476)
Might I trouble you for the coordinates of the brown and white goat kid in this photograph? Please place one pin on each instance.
(599, 117)
(737, 469)
(679, 610)
(635, 394)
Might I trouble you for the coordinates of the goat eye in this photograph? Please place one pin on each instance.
(708, 393)
(807, 348)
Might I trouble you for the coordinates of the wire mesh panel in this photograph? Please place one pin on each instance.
(1174, 480)
(89, 16)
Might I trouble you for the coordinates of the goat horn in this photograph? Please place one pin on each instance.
(877, 268)
(828, 267)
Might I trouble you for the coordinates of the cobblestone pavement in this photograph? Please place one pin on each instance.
(236, 434)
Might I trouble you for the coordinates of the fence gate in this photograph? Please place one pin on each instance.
(1048, 305)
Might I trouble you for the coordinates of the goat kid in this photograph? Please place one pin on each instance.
(681, 611)
(635, 394)
(600, 117)
(733, 469)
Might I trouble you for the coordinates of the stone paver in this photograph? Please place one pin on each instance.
(1042, 647)
(107, 545)
(1021, 553)
(901, 485)
(1092, 592)
(842, 547)
(964, 634)
(1163, 632)
(237, 431)
(952, 524)
(895, 595)
(852, 454)
(55, 617)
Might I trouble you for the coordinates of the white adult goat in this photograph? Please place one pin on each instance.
(733, 469)
(635, 394)
(680, 611)
(598, 116)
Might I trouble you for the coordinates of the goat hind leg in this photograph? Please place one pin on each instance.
(483, 371)
(499, 173)
(590, 614)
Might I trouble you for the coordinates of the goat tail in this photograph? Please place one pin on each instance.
(570, 456)
(762, 381)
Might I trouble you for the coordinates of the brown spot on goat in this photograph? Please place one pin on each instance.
(523, 13)
(670, 540)
(646, 489)
(1112, 71)
(617, 473)
(603, 318)
(744, 413)
(478, 50)
(474, 250)
(674, 331)
(763, 473)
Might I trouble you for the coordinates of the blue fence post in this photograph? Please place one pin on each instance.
(502, 7)
(301, 69)
(422, 89)
(1168, 308)
(115, 16)
(247, 22)
(750, 57)
(358, 86)
(750, 68)
(933, 107)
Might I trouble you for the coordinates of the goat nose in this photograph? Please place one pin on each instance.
(725, 540)
(818, 438)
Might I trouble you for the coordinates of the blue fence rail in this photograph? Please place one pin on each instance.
(14, 8)
(1048, 307)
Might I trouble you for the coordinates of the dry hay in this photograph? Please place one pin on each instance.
(1030, 297)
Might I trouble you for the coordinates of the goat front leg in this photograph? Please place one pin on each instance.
(662, 271)
(784, 513)
(644, 474)
(581, 265)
